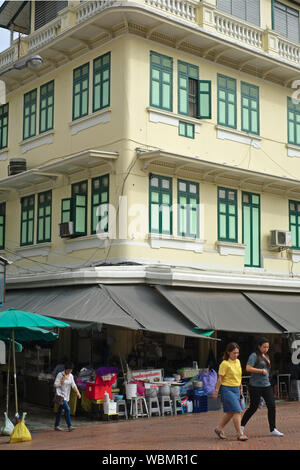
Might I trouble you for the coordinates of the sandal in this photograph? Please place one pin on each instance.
(242, 437)
(220, 434)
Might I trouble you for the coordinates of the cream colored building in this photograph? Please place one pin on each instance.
(160, 142)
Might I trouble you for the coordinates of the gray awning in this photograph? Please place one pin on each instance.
(16, 14)
(282, 308)
(88, 303)
(219, 310)
(152, 311)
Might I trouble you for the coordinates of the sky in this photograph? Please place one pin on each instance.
(4, 36)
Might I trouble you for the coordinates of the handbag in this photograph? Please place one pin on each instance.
(58, 400)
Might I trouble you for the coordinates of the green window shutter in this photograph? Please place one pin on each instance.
(27, 220)
(2, 224)
(100, 204)
(80, 91)
(294, 223)
(204, 99)
(29, 114)
(227, 215)
(250, 108)
(47, 106)
(161, 81)
(251, 228)
(44, 215)
(185, 129)
(66, 210)
(188, 208)
(101, 82)
(293, 118)
(188, 75)
(226, 101)
(160, 204)
(80, 212)
(3, 126)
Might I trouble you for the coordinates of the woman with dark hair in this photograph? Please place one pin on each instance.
(230, 384)
(63, 383)
(259, 366)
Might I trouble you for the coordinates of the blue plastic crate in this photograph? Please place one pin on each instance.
(200, 404)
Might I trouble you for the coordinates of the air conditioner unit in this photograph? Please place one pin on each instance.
(281, 238)
(66, 229)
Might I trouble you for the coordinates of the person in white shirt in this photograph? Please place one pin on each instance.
(63, 383)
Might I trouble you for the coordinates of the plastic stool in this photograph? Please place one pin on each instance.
(165, 405)
(282, 389)
(177, 405)
(137, 406)
(122, 412)
(153, 406)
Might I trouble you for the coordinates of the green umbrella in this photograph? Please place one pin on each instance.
(28, 334)
(17, 319)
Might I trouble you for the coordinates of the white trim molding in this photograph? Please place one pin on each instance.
(165, 117)
(293, 150)
(86, 242)
(176, 243)
(46, 138)
(91, 120)
(40, 249)
(226, 133)
(229, 248)
(295, 255)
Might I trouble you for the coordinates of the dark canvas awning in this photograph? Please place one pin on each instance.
(282, 308)
(152, 311)
(219, 310)
(87, 303)
(16, 14)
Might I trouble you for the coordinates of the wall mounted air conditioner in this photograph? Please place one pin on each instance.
(66, 229)
(281, 238)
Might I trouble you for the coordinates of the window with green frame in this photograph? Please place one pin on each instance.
(250, 108)
(294, 219)
(161, 81)
(194, 95)
(27, 220)
(227, 215)
(293, 111)
(3, 126)
(47, 106)
(101, 82)
(186, 129)
(74, 209)
(80, 91)
(29, 114)
(100, 202)
(251, 228)
(160, 204)
(188, 208)
(227, 101)
(2, 224)
(285, 21)
(44, 215)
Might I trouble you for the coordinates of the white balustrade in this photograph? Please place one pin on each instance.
(183, 8)
(288, 51)
(44, 35)
(88, 9)
(9, 56)
(239, 31)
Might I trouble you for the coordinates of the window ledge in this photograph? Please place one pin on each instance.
(45, 138)
(176, 242)
(226, 133)
(88, 241)
(294, 254)
(91, 120)
(167, 117)
(293, 150)
(39, 249)
(230, 248)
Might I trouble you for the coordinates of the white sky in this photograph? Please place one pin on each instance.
(4, 36)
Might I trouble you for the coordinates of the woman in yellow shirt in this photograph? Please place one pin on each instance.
(230, 384)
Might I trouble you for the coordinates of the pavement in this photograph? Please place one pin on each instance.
(189, 432)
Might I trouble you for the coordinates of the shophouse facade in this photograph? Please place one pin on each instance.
(160, 144)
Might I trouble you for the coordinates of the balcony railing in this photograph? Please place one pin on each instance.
(288, 50)
(237, 30)
(183, 8)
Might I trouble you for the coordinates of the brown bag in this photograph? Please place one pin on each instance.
(58, 400)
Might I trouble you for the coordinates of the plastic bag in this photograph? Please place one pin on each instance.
(209, 380)
(20, 432)
(7, 427)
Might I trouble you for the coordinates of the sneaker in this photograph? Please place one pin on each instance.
(71, 428)
(275, 432)
(57, 428)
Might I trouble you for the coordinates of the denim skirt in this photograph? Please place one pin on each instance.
(231, 399)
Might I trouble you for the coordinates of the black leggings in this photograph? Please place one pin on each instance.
(268, 396)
